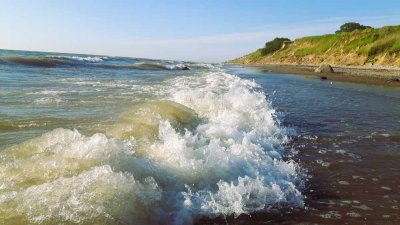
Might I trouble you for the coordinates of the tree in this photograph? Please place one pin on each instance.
(274, 45)
(349, 27)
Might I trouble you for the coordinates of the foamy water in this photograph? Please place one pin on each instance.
(92, 59)
(201, 144)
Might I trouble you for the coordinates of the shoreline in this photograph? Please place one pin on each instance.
(381, 76)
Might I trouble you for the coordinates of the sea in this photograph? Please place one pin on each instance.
(90, 139)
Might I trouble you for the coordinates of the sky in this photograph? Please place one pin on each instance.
(192, 30)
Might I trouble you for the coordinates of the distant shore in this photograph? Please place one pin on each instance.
(382, 76)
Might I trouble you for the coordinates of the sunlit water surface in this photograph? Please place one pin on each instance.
(111, 140)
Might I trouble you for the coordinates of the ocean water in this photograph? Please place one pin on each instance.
(111, 140)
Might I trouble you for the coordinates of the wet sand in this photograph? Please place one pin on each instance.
(382, 76)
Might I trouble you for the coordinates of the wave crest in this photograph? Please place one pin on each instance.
(33, 61)
(213, 147)
(157, 66)
(92, 59)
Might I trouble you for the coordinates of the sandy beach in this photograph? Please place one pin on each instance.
(382, 76)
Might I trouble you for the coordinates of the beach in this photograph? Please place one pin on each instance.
(378, 75)
(94, 139)
(200, 112)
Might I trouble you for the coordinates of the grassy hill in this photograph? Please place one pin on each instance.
(380, 46)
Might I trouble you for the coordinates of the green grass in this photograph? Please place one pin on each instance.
(252, 57)
(360, 42)
(369, 43)
(303, 52)
(320, 44)
(256, 56)
(381, 46)
(395, 47)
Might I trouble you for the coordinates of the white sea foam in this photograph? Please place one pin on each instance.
(47, 92)
(176, 66)
(202, 65)
(73, 79)
(91, 59)
(240, 140)
(47, 100)
(215, 148)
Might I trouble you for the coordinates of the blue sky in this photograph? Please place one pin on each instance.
(202, 30)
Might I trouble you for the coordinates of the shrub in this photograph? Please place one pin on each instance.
(349, 27)
(274, 45)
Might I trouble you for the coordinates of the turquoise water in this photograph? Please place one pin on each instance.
(113, 140)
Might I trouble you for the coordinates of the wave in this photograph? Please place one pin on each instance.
(34, 61)
(47, 92)
(211, 147)
(92, 59)
(202, 65)
(143, 120)
(156, 66)
(178, 67)
(59, 60)
(47, 100)
(51, 61)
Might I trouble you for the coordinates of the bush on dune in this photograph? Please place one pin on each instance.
(349, 27)
(274, 45)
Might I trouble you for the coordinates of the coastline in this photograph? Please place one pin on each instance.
(381, 76)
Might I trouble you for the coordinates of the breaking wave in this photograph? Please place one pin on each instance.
(100, 61)
(92, 59)
(156, 66)
(212, 147)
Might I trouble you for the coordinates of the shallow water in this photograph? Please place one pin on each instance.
(348, 139)
(95, 140)
(110, 140)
